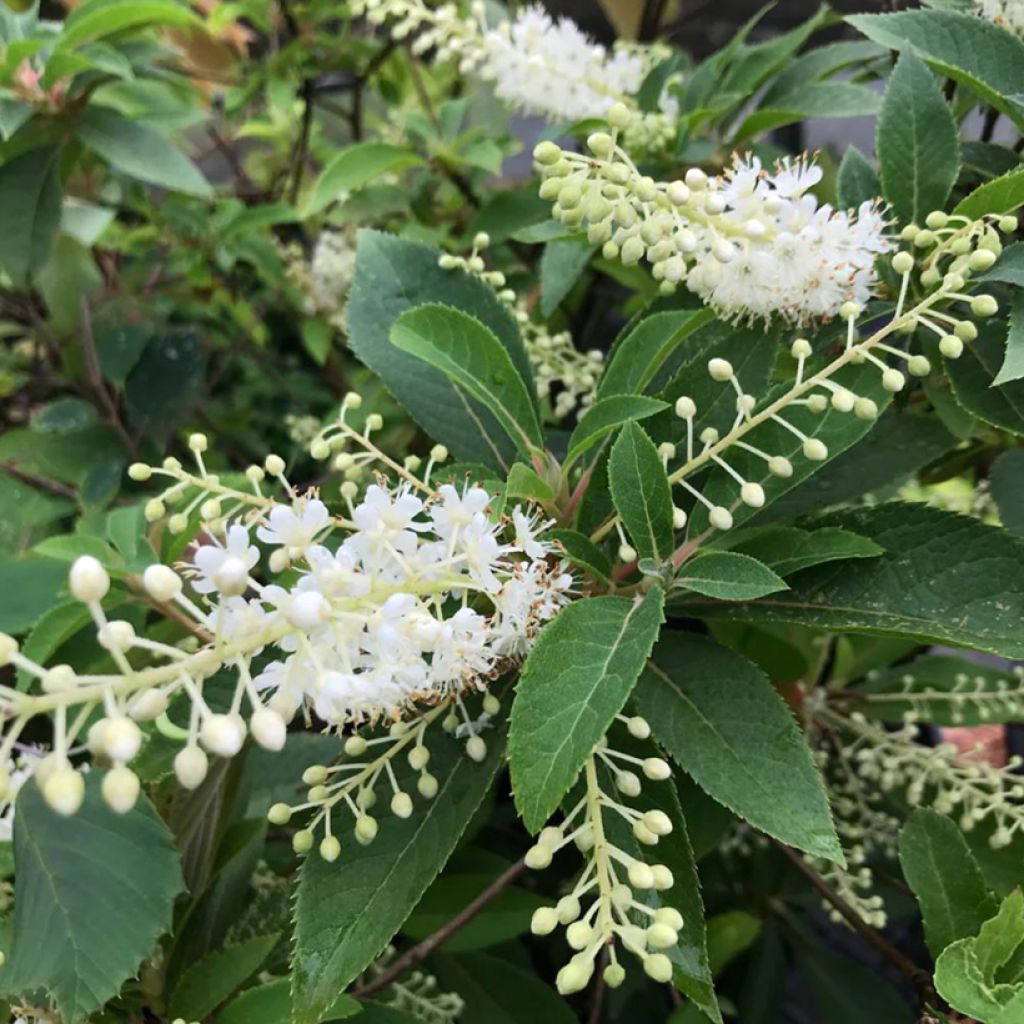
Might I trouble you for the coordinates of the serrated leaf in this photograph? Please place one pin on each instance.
(211, 980)
(354, 167)
(30, 197)
(1013, 360)
(728, 576)
(926, 585)
(1009, 268)
(959, 981)
(98, 18)
(607, 415)
(925, 686)
(394, 275)
(722, 722)
(1000, 936)
(134, 148)
(973, 378)
(637, 359)
(346, 912)
(582, 551)
(272, 1004)
(1001, 195)
(75, 876)
(471, 356)
(857, 181)
(945, 878)
(817, 99)
(575, 680)
(960, 46)
(561, 265)
(524, 482)
(1007, 482)
(788, 549)
(917, 141)
(641, 493)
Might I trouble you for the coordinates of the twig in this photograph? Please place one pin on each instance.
(597, 1004)
(918, 977)
(422, 950)
(42, 482)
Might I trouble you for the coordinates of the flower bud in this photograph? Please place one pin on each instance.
(546, 153)
(162, 583)
(8, 649)
(660, 936)
(222, 735)
(574, 976)
(951, 346)
(752, 494)
(491, 704)
(268, 729)
(965, 330)
(116, 635)
(614, 975)
(58, 679)
(147, 705)
(865, 409)
(476, 748)
(401, 805)
(642, 834)
(640, 875)
(893, 380)
(231, 577)
(365, 830)
(918, 366)
(815, 450)
(984, 305)
(981, 259)
(686, 409)
(1008, 224)
(544, 921)
(302, 841)
(274, 464)
(628, 784)
(638, 727)
(721, 370)
(627, 553)
(121, 739)
(663, 877)
(568, 909)
(427, 786)
(656, 768)
(658, 822)
(579, 934)
(140, 472)
(669, 916)
(315, 775)
(780, 466)
(279, 814)
(120, 789)
(659, 967)
(88, 580)
(330, 849)
(154, 509)
(64, 790)
(190, 766)
(679, 517)
(720, 518)
(538, 857)
(903, 263)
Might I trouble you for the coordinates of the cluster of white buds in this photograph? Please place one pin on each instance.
(562, 373)
(818, 392)
(350, 787)
(753, 245)
(984, 697)
(614, 875)
(416, 994)
(536, 64)
(415, 596)
(934, 776)
(1007, 13)
(325, 278)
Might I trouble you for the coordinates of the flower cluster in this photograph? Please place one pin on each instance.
(413, 596)
(1008, 13)
(563, 375)
(416, 994)
(537, 64)
(755, 245)
(324, 279)
(614, 874)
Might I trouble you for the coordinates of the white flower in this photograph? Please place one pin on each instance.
(19, 772)
(457, 510)
(1008, 13)
(295, 530)
(528, 530)
(225, 569)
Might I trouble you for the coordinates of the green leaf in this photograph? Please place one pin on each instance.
(1013, 361)
(974, 375)
(58, 624)
(211, 980)
(641, 493)
(28, 589)
(788, 549)
(582, 551)
(729, 935)
(95, 19)
(1009, 268)
(945, 878)
(1000, 936)
(926, 585)
(354, 167)
(857, 181)
(607, 415)
(165, 381)
(394, 275)
(958, 979)
(818, 99)
(575, 680)
(346, 912)
(471, 357)
(1002, 195)
(30, 198)
(820, 63)
(134, 148)
(524, 482)
(926, 685)
(728, 576)
(723, 723)
(498, 992)
(644, 351)
(76, 878)
(63, 416)
(917, 142)
(1007, 482)
(963, 47)
(560, 268)
(272, 1004)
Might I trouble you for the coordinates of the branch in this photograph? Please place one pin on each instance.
(422, 950)
(919, 978)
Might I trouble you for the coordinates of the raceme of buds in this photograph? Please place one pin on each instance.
(561, 373)
(754, 245)
(410, 597)
(613, 876)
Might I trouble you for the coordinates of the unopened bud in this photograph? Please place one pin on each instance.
(88, 580)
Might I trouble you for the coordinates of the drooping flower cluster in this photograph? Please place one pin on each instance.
(416, 994)
(755, 245)
(325, 278)
(415, 595)
(1008, 13)
(625, 892)
(563, 374)
(536, 63)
